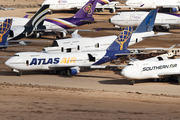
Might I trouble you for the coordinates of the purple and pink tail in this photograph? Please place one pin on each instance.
(87, 10)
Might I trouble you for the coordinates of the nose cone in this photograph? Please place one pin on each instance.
(109, 20)
(123, 72)
(7, 63)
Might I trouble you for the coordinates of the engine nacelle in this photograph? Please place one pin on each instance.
(63, 34)
(37, 35)
(73, 71)
(176, 9)
(113, 10)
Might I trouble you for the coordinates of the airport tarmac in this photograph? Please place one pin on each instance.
(91, 95)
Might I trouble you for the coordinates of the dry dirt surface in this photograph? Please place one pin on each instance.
(91, 95)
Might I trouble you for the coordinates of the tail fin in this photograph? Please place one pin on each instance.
(87, 10)
(38, 17)
(148, 22)
(122, 41)
(103, 2)
(4, 31)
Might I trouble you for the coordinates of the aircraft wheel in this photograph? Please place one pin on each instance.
(132, 82)
(19, 73)
(179, 79)
(58, 37)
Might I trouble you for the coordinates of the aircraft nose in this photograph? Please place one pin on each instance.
(7, 63)
(109, 20)
(123, 72)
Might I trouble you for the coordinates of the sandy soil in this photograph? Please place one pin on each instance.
(92, 95)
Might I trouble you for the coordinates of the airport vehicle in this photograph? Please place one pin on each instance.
(153, 68)
(56, 26)
(163, 20)
(76, 4)
(77, 43)
(70, 62)
(23, 27)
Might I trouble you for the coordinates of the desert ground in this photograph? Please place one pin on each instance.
(90, 95)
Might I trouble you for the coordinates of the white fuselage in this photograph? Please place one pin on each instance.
(67, 4)
(86, 44)
(41, 61)
(152, 3)
(136, 17)
(146, 69)
(19, 23)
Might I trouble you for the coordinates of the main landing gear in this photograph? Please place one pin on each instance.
(132, 82)
(19, 73)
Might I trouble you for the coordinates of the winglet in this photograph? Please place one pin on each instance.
(148, 23)
(122, 41)
(87, 10)
(4, 31)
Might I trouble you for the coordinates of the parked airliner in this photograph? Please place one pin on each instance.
(77, 4)
(163, 20)
(152, 68)
(154, 4)
(78, 43)
(70, 62)
(55, 25)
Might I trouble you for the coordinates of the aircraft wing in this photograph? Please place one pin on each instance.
(25, 42)
(163, 74)
(3, 46)
(57, 67)
(158, 34)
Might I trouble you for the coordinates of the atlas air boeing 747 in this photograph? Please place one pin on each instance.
(70, 62)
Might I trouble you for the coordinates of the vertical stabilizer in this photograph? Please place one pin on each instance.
(38, 17)
(87, 10)
(4, 31)
(122, 41)
(148, 23)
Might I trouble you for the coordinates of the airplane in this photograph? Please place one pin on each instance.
(167, 5)
(56, 5)
(23, 27)
(159, 67)
(58, 26)
(70, 62)
(4, 32)
(163, 6)
(163, 20)
(77, 43)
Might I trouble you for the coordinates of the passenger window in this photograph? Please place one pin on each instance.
(62, 49)
(78, 47)
(27, 62)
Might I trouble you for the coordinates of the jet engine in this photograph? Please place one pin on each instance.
(112, 10)
(73, 71)
(175, 9)
(62, 35)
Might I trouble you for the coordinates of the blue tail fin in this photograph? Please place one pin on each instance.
(122, 41)
(87, 10)
(148, 23)
(4, 31)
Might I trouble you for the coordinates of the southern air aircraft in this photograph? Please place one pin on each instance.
(70, 62)
(152, 68)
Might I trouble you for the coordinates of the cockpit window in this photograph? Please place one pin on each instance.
(130, 64)
(16, 55)
(54, 44)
